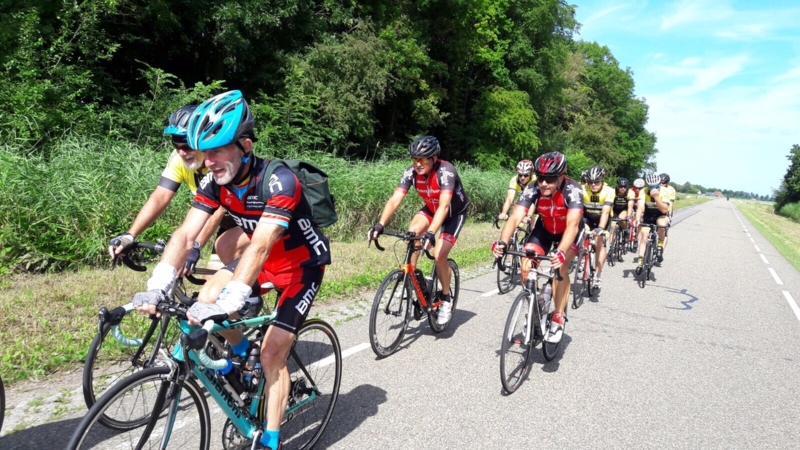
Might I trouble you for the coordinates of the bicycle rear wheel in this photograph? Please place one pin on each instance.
(455, 280)
(581, 274)
(315, 368)
(183, 423)
(388, 319)
(550, 350)
(108, 361)
(517, 342)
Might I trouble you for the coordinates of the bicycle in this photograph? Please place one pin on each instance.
(108, 361)
(584, 271)
(649, 252)
(510, 269)
(618, 240)
(527, 323)
(171, 397)
(632, 233)
(402, 288)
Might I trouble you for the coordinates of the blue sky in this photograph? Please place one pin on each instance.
(721, 77)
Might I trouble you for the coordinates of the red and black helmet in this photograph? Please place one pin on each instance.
(553, 163)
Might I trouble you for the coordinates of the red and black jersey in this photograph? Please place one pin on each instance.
(279, 201)
(443, 177)
(553, 210)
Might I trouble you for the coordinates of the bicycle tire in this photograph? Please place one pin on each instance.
(550, 350)
(319, 351)
(580, 275)
(645, 271)
(2, 403)
(91, 433)
(505, 278)
(610, 255)
(455, 281)
(388, 319)
(513, 343)
(108, 362)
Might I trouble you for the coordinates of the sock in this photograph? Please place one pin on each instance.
(270, 439)
(660, 244)
(241, 348)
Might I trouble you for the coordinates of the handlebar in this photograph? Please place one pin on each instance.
(406, 236)
(158, 247)
(499, 261)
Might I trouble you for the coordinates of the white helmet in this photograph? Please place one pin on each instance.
(653, 179)
(525, 166)
(638, 183)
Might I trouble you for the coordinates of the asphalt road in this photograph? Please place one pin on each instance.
(705, 355)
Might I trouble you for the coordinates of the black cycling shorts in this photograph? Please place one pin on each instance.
(546, 241)
(451, 227)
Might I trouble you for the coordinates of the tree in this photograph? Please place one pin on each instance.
(789, 190)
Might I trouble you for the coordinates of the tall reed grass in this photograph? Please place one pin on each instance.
(791, 211)
(62, 211)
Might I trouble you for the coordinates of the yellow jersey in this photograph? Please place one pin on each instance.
(593, 202)
(176, 173)
(650, 205)
(513, 184)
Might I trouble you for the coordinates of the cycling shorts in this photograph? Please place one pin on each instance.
(451, 227)
(652, 217)
(546, 241)
(297, 292)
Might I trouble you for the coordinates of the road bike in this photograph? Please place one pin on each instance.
(403, 289)
(619, 237)
(509, 271)
(583, 282)
(651, 244)
(527, 323)
(169, 396)
(137, 338)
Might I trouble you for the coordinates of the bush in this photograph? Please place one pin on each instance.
(62, 210)
(791, 211)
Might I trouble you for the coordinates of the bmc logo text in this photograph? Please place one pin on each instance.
(305, 302)
(311, 236)
(245, 224)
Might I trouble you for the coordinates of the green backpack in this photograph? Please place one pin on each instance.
(315, 188)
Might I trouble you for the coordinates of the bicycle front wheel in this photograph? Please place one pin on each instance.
(184, 421)
(517, 342)
(315, 368)
(107, 361)
(646, 267)
(549, 350)
(455, 281)
(580, 283)
(388, 319)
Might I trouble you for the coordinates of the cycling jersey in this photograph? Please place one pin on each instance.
(553, 210)
(650, 205)
(593, 203)
(279, 201)
(669, 193)
(634, 196)
(513, 184)
(443, 177)
(176, 173)
(620, 204)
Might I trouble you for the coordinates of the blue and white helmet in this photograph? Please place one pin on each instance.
(177, 123)
(220, 120)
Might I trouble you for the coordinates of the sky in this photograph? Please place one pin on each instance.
(721, 78)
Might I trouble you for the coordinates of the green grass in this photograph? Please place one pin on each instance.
(686, 200)
(791, 211)
(781, 232)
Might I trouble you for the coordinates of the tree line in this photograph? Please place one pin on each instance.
(494, 80)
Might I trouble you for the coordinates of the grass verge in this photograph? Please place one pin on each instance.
(781, 232)
(686, 200)
(50, 319)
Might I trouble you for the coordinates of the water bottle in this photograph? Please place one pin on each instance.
(252, 368)
(544, 298)
(231, 373)
(423, 283)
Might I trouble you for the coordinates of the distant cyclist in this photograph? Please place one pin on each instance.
(185, 166)
(598, 197)
(517, 184)
(446, 202)
(669, 192)
(656, 207)
(559, 203)
(620, 207)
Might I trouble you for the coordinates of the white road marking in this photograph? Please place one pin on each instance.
(748, 234)
(753, 241)
(775, 276)
(792, 304)
(490, 293)
(763, 258)
(757, 249)
(350, 351)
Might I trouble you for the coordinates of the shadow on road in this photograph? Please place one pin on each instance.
(48, 435)
(351, 410)
(419, 328)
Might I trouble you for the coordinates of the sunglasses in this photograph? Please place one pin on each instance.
(549, 179)
(182, 147)
(421, 160)
(523, 175)
(596, 182)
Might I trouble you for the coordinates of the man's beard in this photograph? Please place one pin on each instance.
(227, 177)
(194, 165)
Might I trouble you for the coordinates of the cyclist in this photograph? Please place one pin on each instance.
(287, 248)
(184, 166)
(636, 206)
(446, 202)
(559, 202)
(598, 197)
(656, 207)
(584, 175)
(669, 191)
(516, 185)
(619, 208)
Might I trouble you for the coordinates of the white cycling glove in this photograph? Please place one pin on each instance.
(163, 278)
(233, 296)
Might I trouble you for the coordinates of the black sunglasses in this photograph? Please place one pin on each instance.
(549, 179)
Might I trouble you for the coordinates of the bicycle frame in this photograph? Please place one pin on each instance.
(427, 303)
(531, 288)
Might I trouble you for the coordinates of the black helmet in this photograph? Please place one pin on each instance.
(664, 178)
(553, 163)
(595, 173)
(622, 182)
(424, 147)
(177, 123)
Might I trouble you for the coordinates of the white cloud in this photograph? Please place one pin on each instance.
(704, 78)
(695, 11)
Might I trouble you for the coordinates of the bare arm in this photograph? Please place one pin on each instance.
(604, 217)
(391, 206)
(509, 201)
(252, 261)
(571, 232)
(183, 238)
(152, 210)
(210, 227)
